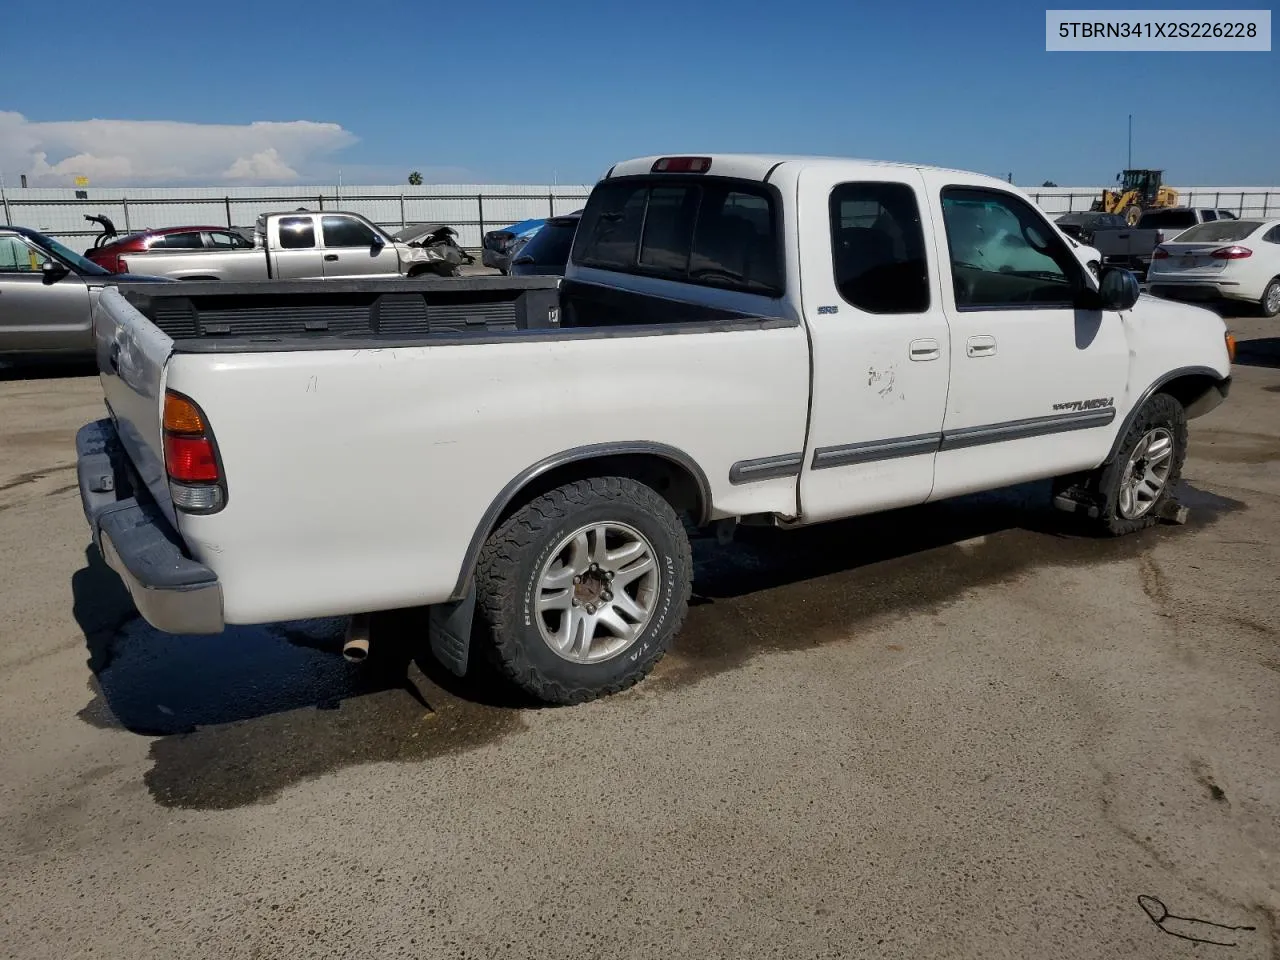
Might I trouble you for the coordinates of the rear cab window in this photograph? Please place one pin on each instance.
(708, 231)
(1168, 219)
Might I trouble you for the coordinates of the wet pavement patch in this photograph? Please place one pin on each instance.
(788, 590)
(242, 715)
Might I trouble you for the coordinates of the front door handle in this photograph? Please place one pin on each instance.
(331, 256)
(925, 350)
(981, 346)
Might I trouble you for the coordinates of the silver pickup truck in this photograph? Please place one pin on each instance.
(303, 245)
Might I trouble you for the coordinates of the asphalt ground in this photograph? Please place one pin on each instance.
(956, 731)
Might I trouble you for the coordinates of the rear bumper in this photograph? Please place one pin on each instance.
(1171, 289)
(173, 592)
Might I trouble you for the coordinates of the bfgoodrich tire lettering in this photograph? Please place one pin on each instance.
(511, 577)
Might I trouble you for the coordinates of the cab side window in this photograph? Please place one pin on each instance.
(297, 233)
(346, 232)
(877, 248)
(17, 257)
(1003, 254)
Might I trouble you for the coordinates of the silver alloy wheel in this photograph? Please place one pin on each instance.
(1271, 301)
(597, 592)
(1146, 474)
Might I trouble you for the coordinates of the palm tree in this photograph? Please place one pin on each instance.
(415, 179)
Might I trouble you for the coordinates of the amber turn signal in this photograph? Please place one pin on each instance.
(1231, 347)
(181, 415)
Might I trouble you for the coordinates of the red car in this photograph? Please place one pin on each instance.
(109, 253)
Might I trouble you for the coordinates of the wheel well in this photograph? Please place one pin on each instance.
(1197, 392)
(672, 481)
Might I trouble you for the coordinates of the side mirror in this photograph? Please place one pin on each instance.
(1118, 290)
(53, 271)
(378, 241)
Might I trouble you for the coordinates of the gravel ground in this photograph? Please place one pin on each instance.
(958, 731)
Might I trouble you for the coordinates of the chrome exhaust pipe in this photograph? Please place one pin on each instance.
(355, 648)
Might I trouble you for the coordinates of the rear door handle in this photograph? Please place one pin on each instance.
(981, 346)
(331, 256)
(925, 350)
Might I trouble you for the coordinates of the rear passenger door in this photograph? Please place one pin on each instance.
(880, 343)
(295, 252)
(353, 249)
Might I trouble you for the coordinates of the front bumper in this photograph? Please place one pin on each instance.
(173, 592)
(495, 259)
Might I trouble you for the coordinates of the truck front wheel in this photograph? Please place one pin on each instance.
(583, 588)
(1132, 490)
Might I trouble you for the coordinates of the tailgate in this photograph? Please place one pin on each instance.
(132, 353)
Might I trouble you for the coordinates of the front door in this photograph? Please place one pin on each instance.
(352, 249)
(1034, 377)
(37, 315)
(879, 342)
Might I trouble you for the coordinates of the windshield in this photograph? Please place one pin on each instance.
(80, 264)
(1217, 231)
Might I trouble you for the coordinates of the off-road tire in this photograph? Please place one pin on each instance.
(1161, 410)
(507, 579)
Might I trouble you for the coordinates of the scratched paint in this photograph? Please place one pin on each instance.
(882, 380)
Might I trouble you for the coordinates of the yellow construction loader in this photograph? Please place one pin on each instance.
(1139, 190)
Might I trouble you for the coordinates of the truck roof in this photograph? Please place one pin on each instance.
(762, 166)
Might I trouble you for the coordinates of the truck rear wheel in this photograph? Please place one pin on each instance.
(583, 588)
(1132, 490)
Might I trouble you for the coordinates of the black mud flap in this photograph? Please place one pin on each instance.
(449, 631)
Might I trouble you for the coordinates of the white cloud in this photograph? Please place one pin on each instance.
(265, 165)
(156, 152)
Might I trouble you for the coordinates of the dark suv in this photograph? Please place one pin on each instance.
(547, 251)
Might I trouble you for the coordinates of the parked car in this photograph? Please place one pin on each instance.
(47, 294)
(498, 246)
(1223, 259)
(737, 339)
(108, 254)
(301, 245)
(547, 251)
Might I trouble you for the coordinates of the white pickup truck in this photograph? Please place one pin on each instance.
(737, 339)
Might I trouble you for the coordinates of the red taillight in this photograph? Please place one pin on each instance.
(1234, 252)
(1160, 253)
(121, 265)
(682, 165)
(190, 459)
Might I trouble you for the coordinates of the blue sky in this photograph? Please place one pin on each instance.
(496, 91)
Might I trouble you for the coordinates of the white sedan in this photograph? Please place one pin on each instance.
(1232, 259)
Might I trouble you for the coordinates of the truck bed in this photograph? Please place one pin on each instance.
(216, 316)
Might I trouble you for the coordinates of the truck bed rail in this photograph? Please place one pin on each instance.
(311, 310)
